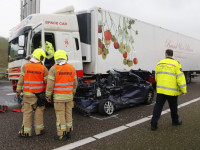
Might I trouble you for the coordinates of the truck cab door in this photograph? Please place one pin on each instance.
(36, 39)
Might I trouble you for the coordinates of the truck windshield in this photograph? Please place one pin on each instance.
(14, 47)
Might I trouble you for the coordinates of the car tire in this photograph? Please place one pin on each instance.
(149, 97)
(106, 107)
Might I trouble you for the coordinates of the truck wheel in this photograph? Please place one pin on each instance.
(149, 97)
(188, 77)
(106, 107)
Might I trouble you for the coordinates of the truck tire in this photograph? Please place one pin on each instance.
(188, 77)
(149, 97)
(106, 107)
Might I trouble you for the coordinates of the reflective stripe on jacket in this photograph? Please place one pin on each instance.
(33, 78)
(170, 78)
(64, 82)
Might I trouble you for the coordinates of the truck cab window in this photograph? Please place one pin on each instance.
(14, 47)
(77, 45)
(50, 38)
(50, 49)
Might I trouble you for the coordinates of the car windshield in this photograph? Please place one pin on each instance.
(129, 78)
(114, 73)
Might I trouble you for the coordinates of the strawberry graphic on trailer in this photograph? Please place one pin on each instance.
(120, 33)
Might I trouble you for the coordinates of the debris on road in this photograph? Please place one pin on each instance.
(3, 108)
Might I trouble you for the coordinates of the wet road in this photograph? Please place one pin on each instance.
(135, 137)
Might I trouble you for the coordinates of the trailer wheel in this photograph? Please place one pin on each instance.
(149, 97)
(188, 77)
(106, 107)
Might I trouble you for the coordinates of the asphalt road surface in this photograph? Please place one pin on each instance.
(127, 128)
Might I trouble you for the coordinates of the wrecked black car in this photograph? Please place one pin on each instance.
(104, 95)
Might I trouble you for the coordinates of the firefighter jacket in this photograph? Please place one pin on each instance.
(32, 79)
(49, 50)
(62, 82)
(170, 78)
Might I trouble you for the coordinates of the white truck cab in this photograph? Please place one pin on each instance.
(60, 29)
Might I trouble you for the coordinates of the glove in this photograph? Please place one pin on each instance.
(19, 99)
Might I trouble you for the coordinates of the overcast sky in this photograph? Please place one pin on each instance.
(182, 16)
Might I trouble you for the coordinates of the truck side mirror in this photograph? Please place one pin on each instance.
(21, 41)
(20, 52)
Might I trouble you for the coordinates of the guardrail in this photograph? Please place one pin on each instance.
(2, 72)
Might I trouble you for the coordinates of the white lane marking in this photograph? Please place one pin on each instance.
(11, 94)
(187, 103)
(138, 122)
(118, 129)
(113, 116)
(109, 132)
(76, 144)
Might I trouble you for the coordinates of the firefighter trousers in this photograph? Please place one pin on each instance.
(29, 105)
(63, 112)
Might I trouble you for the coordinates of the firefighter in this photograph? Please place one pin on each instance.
(62, 83)
(32, 79)
(170, 83)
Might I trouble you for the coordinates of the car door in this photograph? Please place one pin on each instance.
(131, 91)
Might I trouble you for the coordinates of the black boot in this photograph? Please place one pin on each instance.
(177, 123)
(26, 135)
(68, 134)
(62, 138)
(22, 134)
(41, 132)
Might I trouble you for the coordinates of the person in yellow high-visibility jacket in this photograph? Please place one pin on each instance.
(49, 49)
(170, 82)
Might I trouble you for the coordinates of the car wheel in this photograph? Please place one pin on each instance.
(149, 97)
(106, 107)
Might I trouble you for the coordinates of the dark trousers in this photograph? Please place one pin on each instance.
(160, 101)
